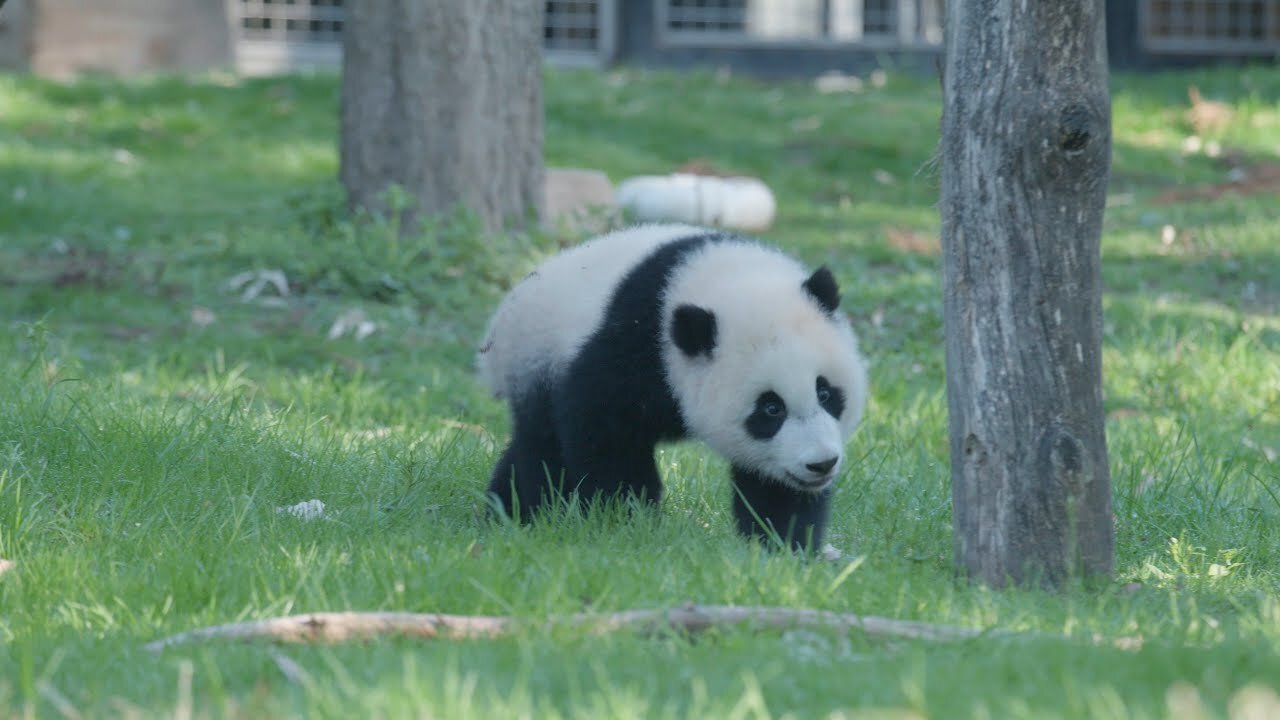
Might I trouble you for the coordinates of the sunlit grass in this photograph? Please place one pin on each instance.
(154, 422)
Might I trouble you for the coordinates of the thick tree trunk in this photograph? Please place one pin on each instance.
(1026, 151)
(444, 98)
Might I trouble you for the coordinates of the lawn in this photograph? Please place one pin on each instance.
(161, 400)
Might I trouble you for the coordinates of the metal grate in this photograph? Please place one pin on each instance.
(571, 25)
(292, 20)
(879, 17)
(1211, 26)
(875, 23)
(578, 31)
(703, 15)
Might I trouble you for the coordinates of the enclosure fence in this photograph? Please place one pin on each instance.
(289, 34)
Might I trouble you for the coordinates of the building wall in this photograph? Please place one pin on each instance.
(639, 43)
(60, 38)
(15, 50)
(1128, 47)
(63, 37)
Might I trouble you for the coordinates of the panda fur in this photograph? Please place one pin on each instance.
(663, 332)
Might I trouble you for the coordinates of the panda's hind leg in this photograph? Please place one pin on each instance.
(531, 469)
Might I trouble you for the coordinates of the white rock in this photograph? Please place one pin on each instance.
(353, 321)
(742, 203)
(253, 282)
(835, 81)
(305, 510)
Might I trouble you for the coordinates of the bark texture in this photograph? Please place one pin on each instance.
(1026, 153)
(444, 98)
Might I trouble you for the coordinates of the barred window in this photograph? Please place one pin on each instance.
(1211, 26)
(881, 23)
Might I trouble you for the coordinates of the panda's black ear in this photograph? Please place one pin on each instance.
(822, 286)
(693, 329)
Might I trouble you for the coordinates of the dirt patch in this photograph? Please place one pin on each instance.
(913, 242)
(703, 166)
(1245, 177)
(1207, 115)
(70, 268)
(92, 268)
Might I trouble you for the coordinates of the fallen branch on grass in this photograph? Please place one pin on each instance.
(335, 627)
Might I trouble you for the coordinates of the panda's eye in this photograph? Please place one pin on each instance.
(824, 390)
(831, 398)
(769, 415)
(770, 405)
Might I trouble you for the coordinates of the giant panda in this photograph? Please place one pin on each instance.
(664, 332)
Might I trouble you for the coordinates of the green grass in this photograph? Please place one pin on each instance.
(152, 421)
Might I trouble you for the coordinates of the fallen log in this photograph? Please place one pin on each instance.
(336, 627)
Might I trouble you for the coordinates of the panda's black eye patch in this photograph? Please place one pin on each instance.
(767, 418)
(830, 397)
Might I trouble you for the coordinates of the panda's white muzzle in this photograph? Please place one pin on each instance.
(809, 451)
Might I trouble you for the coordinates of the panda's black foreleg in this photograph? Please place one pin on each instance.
(607, 454)
(618, 473)
(608, 431)
(530, 471)
(764, 507)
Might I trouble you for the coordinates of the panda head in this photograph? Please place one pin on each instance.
(766, 371)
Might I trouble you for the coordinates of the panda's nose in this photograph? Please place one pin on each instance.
(824, 467)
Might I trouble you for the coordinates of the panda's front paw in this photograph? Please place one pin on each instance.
(778, 515)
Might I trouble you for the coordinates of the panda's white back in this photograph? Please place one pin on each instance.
(543, 321)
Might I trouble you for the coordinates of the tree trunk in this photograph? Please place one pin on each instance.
(1026, 151)
(444, 98)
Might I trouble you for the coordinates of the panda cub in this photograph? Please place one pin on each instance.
(663, 332)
